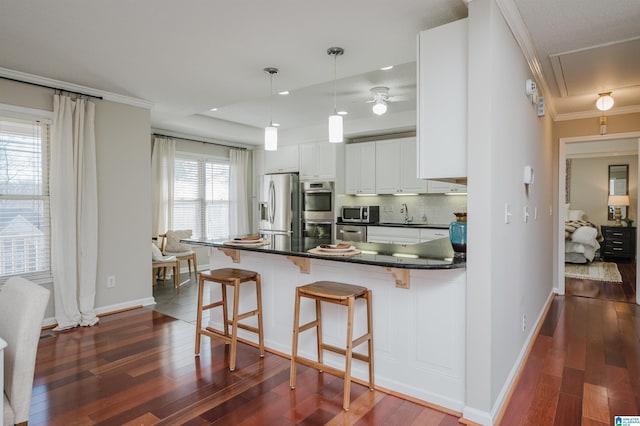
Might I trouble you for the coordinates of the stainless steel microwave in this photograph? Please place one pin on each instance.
(360, 214)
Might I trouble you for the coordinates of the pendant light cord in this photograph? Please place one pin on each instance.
(335, 60)
(271, 100)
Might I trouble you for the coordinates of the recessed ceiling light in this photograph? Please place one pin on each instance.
(275, 124)
(386, 68)
(213, 109)
(283, 93)
(342, 113)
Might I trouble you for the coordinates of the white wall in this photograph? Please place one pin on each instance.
(124, 194)
(509, 266)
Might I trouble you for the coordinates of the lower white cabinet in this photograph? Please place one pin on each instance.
(428, 234)
(392, 235)
(397, 235)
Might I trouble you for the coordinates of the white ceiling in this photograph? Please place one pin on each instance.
(190, 56)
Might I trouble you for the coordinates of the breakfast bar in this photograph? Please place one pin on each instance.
(418, 293)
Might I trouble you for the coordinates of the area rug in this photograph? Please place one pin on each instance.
(597, 271)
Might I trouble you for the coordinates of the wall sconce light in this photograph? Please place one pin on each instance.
(271, 132)
(605, 101)
(335, 120)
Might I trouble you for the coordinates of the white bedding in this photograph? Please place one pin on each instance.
(582, 244)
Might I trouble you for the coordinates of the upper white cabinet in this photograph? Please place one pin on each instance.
(318, 161)
(442, 101)
(438, 187)
(396, 167)
(284, 160)
(360, 168)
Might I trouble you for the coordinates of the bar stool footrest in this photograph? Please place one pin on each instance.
(320, 366)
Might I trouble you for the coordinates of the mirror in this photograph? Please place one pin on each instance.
(618, 185)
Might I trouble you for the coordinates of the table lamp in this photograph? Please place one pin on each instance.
(616, 201)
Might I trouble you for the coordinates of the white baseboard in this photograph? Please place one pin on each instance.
(110, 308)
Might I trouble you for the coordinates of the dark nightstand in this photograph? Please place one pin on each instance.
(619, 242)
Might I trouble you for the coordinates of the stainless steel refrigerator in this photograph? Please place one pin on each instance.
(279, 206)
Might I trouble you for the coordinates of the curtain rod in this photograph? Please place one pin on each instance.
(51, 87)
(195, 140)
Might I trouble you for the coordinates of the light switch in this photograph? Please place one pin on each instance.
(507, 213)
(526, 214)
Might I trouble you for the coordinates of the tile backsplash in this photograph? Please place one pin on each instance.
(436, 208)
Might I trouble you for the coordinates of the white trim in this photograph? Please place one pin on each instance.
(477, 416)
(562, 176)
(110, 308)
(520, 32)
(14, 111)
(632, 109)
(63, 85)
(522, 358)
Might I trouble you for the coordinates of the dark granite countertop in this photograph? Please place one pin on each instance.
(435, 254)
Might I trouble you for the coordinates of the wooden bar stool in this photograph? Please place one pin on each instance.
(340, 294)
(229, 277)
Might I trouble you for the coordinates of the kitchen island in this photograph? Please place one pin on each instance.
(418, 308)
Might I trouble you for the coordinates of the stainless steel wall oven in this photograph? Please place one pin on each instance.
(318, 217)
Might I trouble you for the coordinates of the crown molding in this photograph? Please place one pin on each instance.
(63, 85)
(594, 114)
(520, 32)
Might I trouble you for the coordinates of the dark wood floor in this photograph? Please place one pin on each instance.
(623, 292)
(138, 368)
(584, 367)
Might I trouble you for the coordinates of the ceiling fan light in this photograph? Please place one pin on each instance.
(379, 107)
(270, 138)
(605, 101)
(335, 129)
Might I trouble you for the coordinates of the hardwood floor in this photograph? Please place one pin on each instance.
(138, 368)
(623, 292)
(584, 367)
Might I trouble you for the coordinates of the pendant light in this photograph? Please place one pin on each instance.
(605, 101)
(335, 120)
(271, 132)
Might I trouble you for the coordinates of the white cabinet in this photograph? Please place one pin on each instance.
(392, 235)
(442, 101)
(428, 234)
(284, 160)
(438, 187)
(317, 161)
(360, 168)
(396, 167)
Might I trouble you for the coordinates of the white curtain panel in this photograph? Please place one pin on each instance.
(74, 212)
(238, 192)
(162, 175)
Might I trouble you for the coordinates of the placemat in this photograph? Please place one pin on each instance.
(242, 243)
(329, 253)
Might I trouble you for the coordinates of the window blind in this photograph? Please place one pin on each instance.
(24, 199)
(201, 196)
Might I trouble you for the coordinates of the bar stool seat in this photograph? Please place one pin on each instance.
(234, 278)
(340, 294)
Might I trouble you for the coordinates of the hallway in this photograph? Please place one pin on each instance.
(584, 367)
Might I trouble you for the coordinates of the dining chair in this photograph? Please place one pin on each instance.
(22, 307)
(171, 246)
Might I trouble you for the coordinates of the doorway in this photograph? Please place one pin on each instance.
(593, 146)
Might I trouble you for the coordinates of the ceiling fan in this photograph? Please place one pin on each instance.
(380, 97)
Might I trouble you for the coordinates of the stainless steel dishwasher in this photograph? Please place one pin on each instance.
(353, 233)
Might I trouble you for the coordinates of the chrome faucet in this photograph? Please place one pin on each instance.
(404, 209)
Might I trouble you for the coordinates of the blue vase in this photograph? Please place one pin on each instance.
(458, 234)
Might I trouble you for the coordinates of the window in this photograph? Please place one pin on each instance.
(201, 196)
(24, 198)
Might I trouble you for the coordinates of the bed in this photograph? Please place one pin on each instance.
(582, 238)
